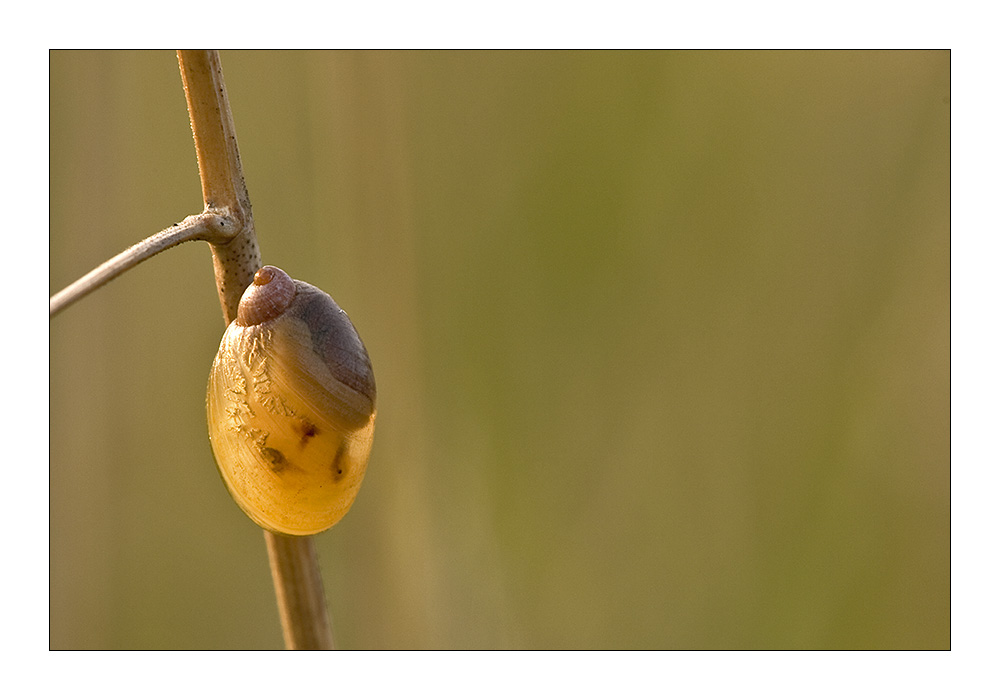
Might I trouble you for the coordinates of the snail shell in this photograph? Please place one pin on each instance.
(291, 406)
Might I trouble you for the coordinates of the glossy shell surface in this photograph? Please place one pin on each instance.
(291, 409)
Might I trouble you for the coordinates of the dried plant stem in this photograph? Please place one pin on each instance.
(222, 184)
(194, 228)
(296, 579)
(294, 565)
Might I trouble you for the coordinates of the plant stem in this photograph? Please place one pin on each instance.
(294, 565)
(296, 581)
(222, 184)
(196, 227)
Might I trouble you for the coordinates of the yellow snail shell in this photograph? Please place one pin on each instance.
(291, 406)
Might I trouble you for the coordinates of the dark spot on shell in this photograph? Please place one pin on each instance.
(339, 468)
(276, 459)
(307, 430)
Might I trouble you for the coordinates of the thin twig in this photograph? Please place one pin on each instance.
(196, 227)
(294, 565)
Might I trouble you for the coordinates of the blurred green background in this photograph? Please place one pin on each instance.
(661, 342)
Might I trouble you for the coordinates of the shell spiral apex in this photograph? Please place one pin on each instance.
(268, 296)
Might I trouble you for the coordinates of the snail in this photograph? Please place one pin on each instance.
(291, 406)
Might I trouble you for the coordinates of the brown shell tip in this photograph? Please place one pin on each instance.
(266, 274)
(269, 295)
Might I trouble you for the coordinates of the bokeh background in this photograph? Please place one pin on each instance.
(661, 342)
